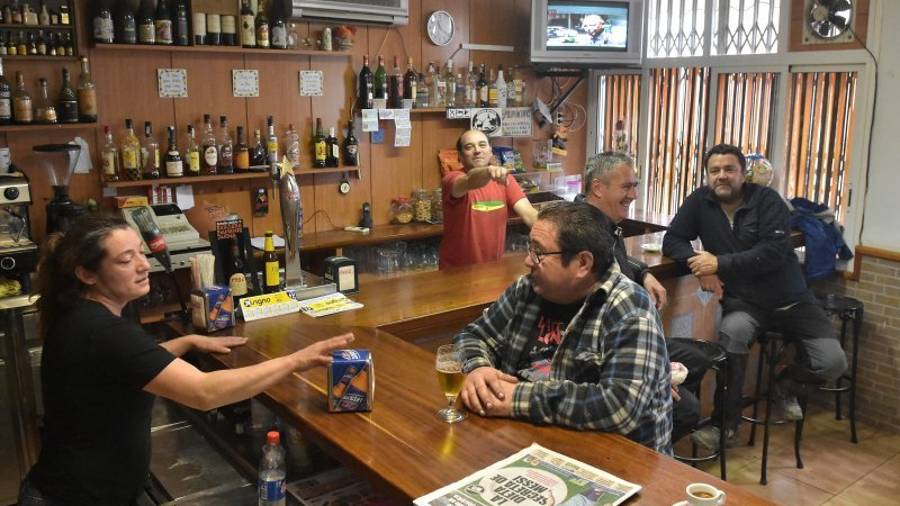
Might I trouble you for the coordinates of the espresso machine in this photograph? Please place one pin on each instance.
(18, 253)
(59, 161)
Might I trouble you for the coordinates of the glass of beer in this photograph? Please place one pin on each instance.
(448, 363)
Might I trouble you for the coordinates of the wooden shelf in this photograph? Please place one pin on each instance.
(426, 110)
(220, 49)
(15, 58)
(40, 127)
(220, 177)
(20, 26)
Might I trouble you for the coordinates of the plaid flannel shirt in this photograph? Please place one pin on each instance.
(610, 372)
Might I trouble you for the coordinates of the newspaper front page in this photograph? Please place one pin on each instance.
(534, 476)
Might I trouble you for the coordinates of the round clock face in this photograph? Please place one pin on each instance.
(344, 187)
(440, 27)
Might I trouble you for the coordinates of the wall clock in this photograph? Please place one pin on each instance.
(440, 28)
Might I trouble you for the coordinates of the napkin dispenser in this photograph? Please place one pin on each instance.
(342, 272)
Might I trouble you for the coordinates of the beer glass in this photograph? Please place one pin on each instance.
(448, 364)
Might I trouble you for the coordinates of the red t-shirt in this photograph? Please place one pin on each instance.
(475, 224)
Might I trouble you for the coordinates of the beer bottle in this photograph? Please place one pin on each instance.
(270, 259)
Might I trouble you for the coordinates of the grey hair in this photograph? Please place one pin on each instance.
(600, 165)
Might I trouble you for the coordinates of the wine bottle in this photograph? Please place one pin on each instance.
(125, 24)
(332, 154)
(103, 23)
(241, 152)
(379, 80)
(146, 24)
(68, 100)
(365, 86)
(350, 147)
(248, 25)
(320, 148)
(395, 86)
(209, 147)
(174, 165)
(181, 32)
(163, 23)
(226, 148)
(410, 81)
(278, 27)
(192, 159)
(262, 25)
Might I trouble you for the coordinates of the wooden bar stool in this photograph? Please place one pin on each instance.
(848, 310)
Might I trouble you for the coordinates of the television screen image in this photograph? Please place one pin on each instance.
(584, 25)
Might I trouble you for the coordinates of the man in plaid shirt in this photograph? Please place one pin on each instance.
(573, 343)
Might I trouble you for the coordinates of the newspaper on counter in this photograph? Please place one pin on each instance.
(534, 476)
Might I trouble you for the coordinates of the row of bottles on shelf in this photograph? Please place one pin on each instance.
(22, 12)
(450, 87)
(133, 159)
(168, 23)
(71, 106)
(19, 43)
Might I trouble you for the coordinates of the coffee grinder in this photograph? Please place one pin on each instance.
(59, 161)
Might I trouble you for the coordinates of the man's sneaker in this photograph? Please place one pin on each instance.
(785, 405)
(708, 437)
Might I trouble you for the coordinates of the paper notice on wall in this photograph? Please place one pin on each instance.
(402, 137)
(489, 121)
(184, 196)
(311, 83)
(386, 113)
(401, 118)
(172, 83)
(370, 120)
(245, 82)
(517, 122)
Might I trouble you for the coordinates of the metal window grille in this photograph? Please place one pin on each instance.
(675, 28)
(745, 26)
(744, 109)
(678, 103)
(821, 116)
(620, 98)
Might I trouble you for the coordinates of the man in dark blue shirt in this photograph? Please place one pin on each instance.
(749, 263)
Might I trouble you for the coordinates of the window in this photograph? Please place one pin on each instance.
(745, 26)
(675, 28)
(619, 98)
(744, 110)
(820, 137)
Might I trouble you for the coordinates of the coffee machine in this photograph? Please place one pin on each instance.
(59, 161)
(18, 252)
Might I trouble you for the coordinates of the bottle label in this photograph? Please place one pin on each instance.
(483, 94)
(293, 152)
(273, 277)
(492, 96)
(279, 36)
(211, 156)
(242, 159)
(22, 109)
(194, 162)
(272, 150)
(335, 151)
(129, 159)
(164, 31)
(321, 151)
(262, 35)
(271, 489)
(103, 29)
(174, 168)
(5, 107)
(109, 163)
(87, 102)
(69, 111)
(248, 31)
(147, 34)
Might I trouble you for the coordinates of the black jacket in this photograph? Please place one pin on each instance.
(632, 268)
(757, 262)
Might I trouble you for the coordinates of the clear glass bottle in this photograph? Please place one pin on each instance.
(46, 110)
(150, 153)
(271, 141)
(192, 156)
(174, 164)
(292, 145)
(131, 153)
(209, 148)
(109, 157)
(437, 206)
(87, 94)
(22, 106)
(226, 148)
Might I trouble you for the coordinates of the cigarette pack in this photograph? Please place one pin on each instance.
(212, 308)
(351, 381)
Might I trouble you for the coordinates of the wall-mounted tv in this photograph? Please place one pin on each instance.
(586, 33)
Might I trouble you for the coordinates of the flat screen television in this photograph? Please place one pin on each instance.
(586, 33)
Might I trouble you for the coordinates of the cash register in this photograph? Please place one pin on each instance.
(181, 237)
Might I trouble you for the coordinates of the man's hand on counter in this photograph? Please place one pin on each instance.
(656, 290)
(488, 392)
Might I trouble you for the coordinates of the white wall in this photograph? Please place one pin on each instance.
(882, 205)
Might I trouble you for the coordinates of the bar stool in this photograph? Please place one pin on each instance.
(719, 364)
(771, 348)
(847, 309)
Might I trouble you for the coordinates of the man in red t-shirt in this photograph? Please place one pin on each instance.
(476, 205)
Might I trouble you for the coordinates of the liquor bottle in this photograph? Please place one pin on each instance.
(365, 86)
(332, 149)
(174, 164)
(103, 24)
(351, 147)
(69, 45)
(500, 85)
(45, 111)
(150, 153)
(209, 147)
(271, 142)
(131, 153)
(482, 87)
(180, 25)
(87, 94)
(292, 145)
(110, 157)
(379, 81)
(125, 24)
(237, 280)
(272, 472)
(68, 100)
(41, 43)
(248, 25)
(22, 47)
(437, 86)
(163, 23)
(51, 46)
(192, 158)
(15, 16)
(270, 261)
(410, 81)
(241, 152)
(395, 86)
(449, 85)
(146, 24)
(460, 99)
(262, 25)
(11, 48)
(320, 149)
(278, 27)
(258, 154)
(421, 91)
(5, 99)
(64, 13)
(226, 148)
(428, 85)
(44, 14)
(471, 85)
(29, 17)
(32, 44)
(492, 90)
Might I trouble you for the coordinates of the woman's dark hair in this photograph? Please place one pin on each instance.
(80, 246)
(726, 149)
(581, 228)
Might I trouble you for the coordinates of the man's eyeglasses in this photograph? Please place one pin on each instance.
(538, 256)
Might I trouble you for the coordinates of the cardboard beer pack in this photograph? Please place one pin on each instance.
(212, 308)
(351, 381)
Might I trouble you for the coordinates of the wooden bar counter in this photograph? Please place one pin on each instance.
(401, 446)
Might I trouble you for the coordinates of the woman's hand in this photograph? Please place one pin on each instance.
(320, 353)
(217, 344)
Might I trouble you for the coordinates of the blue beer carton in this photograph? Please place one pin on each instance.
(351, 381)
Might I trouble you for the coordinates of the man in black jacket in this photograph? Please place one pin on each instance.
(749, 263)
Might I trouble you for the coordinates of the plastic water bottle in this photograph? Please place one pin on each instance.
(272, 472)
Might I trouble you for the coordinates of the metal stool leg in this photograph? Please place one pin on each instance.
(722, 379)
(838, 383)
(798, 433)
(857, 327)
(763, 344)
(770, 358)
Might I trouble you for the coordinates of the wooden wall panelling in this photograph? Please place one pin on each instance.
(437, 132)
(459, 9)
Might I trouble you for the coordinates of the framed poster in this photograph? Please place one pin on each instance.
(245, 82)
(172, 83)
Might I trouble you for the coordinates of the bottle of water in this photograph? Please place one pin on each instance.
(272, 472)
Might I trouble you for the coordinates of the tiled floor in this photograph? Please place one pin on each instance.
(836, 471)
